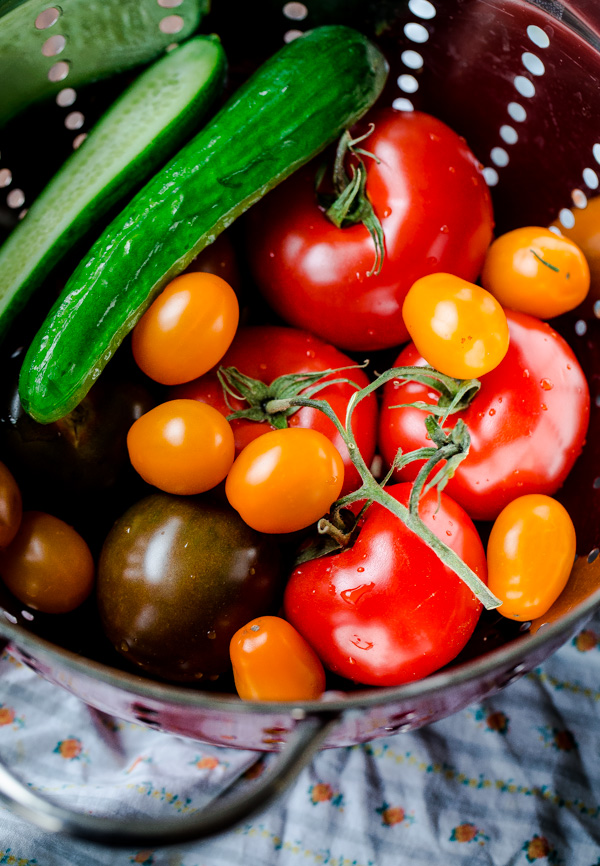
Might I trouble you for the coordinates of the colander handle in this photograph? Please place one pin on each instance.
(307, 736)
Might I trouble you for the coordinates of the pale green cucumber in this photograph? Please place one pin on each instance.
(162, 108)
(290, 109)
(101, 38)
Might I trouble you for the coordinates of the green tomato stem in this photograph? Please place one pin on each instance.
(450, 448)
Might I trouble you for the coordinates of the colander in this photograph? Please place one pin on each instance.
(520, 80)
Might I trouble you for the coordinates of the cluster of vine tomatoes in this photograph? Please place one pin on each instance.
(244, 416)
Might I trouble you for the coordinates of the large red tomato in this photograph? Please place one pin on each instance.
(386, 610)
(267, 352)
(527, 423)
(428, 191)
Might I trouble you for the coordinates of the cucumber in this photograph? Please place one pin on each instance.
(291, 108)
(162, 107)
(103, 37)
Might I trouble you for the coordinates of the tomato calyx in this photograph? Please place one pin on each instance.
(455, 394)
(261, 398)
(448, 448)
(349, 204)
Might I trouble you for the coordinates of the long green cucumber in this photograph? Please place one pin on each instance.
(291, 108)
(148, 122)
(101, 38)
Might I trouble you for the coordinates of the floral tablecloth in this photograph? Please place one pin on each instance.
(512, 781)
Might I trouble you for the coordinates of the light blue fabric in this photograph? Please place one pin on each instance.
(509, 782)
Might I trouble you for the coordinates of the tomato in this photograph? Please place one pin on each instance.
(187, 329)
(386, 610)
(527, 422)
(48, 565)
(530, 554)
(536, 271)
(181, 446)
(177, 577)
(11, 506)
(268, 352)
(285, 480)
(218, 258)
(458, 327)
(435, 209)
(586, 234)
(272, 662)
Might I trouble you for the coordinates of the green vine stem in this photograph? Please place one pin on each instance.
(449, 447)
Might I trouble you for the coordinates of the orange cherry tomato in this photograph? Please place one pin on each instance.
(285, 480)
(586, 234)
(11, 506)
(458, 327)
(187, 329)
(530, 555)
(48, 566)
(182, 446)
(273, 662)
(535, 271)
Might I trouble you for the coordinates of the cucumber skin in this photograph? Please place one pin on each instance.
(297, 103)
(104, 37)
(15, 291)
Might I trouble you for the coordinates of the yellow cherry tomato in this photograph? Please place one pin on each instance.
(272, 662)
(182, 446)
(586, 234)
(285, 480)
(458, 327)
(535, 271)
(187, 329)
(530, 555)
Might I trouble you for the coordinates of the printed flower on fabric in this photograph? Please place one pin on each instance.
(9, 717)
(71, 749)
(561, 740)
(143, 858)
(324, 793)
(468, 833)
(391, 815)
(585, 641)
(207, 762)
(539, 848)
(495, 720)
(13, 860)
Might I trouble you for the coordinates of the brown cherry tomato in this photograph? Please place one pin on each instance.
(48, 566)
(11, 506)
(273, 662)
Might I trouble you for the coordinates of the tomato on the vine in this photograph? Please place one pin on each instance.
(181, 446)
(285, 480)
(386, 610)
(536, 271)
(187, 329)
(428, 191)
(265, 353)
(530, 554)
(458, 327)
(272, 662)
(527, 423)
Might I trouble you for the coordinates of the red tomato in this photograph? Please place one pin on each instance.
(386, 610)
(267, 352)
(527, 423)
(435, 209)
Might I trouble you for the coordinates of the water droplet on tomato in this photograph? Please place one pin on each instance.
(546, 384)
(371, 332)
(211, 634)
(351, 660)
(492, 412)
(124, 646)
(544, 407)
(449, 533)
(432, 260)
(452, 169)
(353, 596)
(444, 229)
(526, 374)
(360, 568)
(387, 212)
